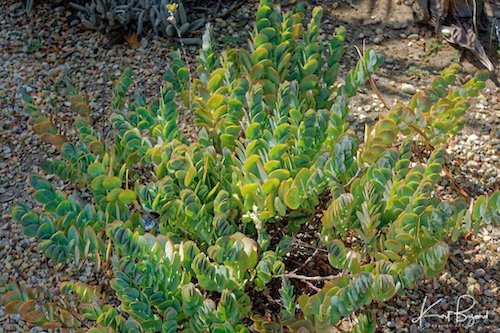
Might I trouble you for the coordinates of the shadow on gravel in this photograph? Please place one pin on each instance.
(396, 18)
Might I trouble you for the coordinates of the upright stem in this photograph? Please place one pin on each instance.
(186, 60)
(172, 8)
(309, 278)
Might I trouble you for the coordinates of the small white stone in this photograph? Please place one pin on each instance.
(144, 43)
(408, 88)
(472, 137)
(413, 37)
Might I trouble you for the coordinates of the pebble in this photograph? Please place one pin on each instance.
(472, 137)
(480, 272)
(398, 25)
(408, 88)
(144, 43)
(413, 37)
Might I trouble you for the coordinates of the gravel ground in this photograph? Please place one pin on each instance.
(37, 51)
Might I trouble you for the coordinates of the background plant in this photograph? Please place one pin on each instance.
(143, 17)
(139, 17)
(197, 231)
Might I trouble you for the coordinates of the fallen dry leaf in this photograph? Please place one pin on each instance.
(133, 41)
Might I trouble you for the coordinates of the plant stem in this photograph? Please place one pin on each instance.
(312, 286)
(370, 79)
(76, 316)
(353, 178)
(309, 278)
(423, 135)
(305, 262)
(186, 60)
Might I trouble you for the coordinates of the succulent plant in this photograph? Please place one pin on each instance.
(196, 230)
(144, 17)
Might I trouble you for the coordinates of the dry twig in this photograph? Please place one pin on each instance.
(370, 79)
(308, 260)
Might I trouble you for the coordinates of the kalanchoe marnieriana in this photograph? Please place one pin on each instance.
(197, 231)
